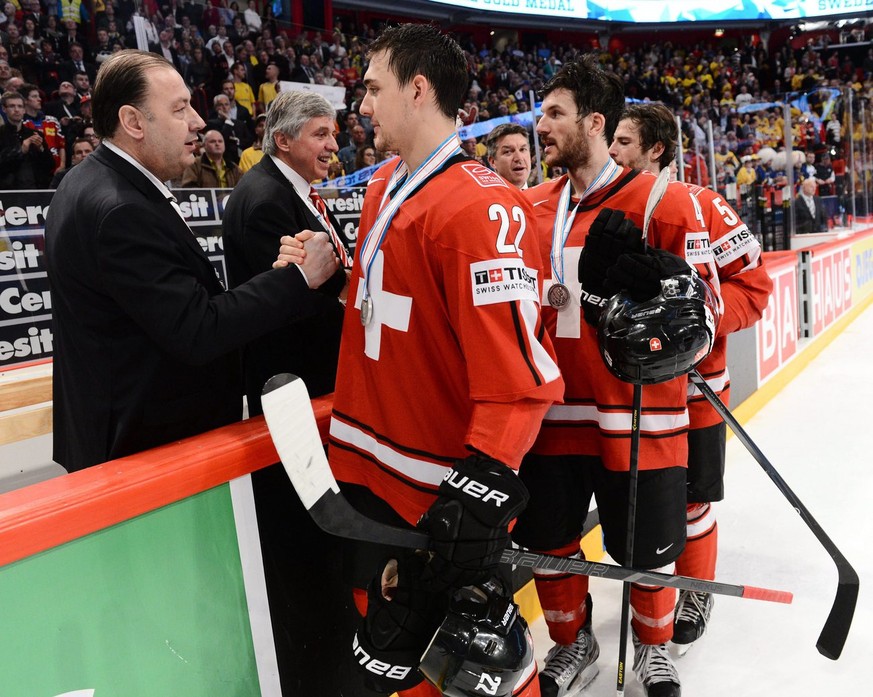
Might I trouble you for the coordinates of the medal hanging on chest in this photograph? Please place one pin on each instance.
(366, 310)
(387, 208)
(558, 296)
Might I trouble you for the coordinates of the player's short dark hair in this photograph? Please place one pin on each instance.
(123, 80)
(656, 124)
(27, 88)
(594, 90)
(420, 49)
(501, 131)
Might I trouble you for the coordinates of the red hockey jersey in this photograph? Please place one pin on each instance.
(745, 291)
(455, 356)
(595, 418)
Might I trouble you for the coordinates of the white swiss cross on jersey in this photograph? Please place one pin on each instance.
(389, 309)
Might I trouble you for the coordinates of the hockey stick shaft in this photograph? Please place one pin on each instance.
(634, 472)
(656, 193)
(289, 417)
(836, 629)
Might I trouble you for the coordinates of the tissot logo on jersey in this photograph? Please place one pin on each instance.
(697, 249)
(502, 280)
(733, 245)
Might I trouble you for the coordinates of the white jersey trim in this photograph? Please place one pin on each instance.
(413, 468)
(703, 524)
(617, 421)
(530, 315)
(717, 383)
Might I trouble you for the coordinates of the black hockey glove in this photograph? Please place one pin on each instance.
(397, 629)
(610, 235)
(640, 275)
(469, 522)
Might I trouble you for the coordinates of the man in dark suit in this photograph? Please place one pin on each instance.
(166, 47)
(236, 136)
(145, 336)
(273, 199)
(303, 71)
(77, 63)
(809, 214)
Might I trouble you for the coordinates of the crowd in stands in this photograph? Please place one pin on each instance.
(234, 61)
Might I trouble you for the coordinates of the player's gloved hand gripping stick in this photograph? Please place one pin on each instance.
(289, 416)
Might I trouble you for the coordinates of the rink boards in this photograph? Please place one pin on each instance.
(141, 577)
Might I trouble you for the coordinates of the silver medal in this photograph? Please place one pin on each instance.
(366, 311)
(559, 296)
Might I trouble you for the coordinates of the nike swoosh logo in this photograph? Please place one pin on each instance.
(661, 551)
(545, 200)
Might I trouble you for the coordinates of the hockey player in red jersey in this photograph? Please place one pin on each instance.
(645, 139)
(584, 445)
(445, 372)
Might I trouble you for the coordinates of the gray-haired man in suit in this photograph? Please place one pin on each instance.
(275, 198)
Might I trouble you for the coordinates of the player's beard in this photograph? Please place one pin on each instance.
(573, 154)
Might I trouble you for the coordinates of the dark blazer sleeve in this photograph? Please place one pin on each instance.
(264, 209)
(821, 221)
(172, 306)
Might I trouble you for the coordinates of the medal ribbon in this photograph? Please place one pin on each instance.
(450, 147)
(564, 217)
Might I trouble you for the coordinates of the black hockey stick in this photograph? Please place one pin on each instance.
(289, 416)
(836, 629)
(629, 542)
(656, 193)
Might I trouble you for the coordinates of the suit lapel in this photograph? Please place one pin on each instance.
(294, 198)
(313, 223)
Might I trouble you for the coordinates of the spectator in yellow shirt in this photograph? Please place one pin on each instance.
(242, 91)
(268, 90)
(746, 174)
(253, 154)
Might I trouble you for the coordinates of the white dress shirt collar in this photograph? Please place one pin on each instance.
(301, 186)
(165, 192)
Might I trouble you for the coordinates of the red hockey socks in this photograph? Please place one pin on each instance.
(652, 612)
(701, 548)
(562, 597)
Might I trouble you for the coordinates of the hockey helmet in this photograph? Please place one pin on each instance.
(661, 338)
(483, 647)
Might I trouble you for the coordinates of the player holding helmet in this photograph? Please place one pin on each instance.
(645, 139)
(584, 445)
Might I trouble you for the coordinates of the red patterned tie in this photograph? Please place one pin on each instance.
(322, 211)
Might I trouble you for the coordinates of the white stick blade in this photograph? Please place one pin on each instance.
(289, 416)
(655, 196)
